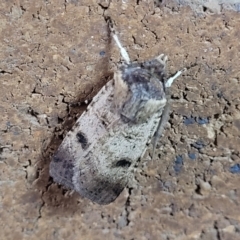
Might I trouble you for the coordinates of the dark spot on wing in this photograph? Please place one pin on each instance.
(123, 163)
(82, 139)
(57, 159)
(67, 165)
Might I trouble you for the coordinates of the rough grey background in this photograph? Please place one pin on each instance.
(55, 54)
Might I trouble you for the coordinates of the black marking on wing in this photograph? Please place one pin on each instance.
(82, 139)
(123, 163)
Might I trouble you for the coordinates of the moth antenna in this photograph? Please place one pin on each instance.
(171, 79)
(123, 51)
(165, 113)
(162, 58)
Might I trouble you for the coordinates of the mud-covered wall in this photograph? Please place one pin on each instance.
(56, 54)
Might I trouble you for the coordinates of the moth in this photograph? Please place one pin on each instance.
(98, 156)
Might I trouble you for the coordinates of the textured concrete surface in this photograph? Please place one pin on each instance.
(212, 6)
(55, 54)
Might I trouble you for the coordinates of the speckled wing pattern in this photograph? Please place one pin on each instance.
(98, 156)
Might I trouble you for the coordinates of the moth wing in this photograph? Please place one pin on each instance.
(61, 167)
(85, 133)
(91, 182)
(98, 156)
(105, 171)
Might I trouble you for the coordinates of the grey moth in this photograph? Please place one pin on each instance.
(98, 156)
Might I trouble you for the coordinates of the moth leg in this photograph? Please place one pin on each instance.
(165, 113)
(123, 51)
(160, 128)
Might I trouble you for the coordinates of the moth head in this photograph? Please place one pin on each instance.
(139, 90)
(156, 66)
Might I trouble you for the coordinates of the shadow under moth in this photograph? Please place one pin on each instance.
(98, 156)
